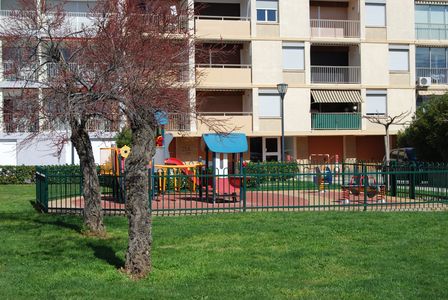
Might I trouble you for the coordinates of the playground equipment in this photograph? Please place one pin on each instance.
(224, 184)
(359, 185)
(219, 178)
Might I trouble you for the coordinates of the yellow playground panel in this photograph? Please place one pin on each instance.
(109, 159)
(191, 170)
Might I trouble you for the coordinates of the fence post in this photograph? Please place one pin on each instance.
(244, 189)
(393, 178)
(412, 170)
(366, 184)
(45, 192)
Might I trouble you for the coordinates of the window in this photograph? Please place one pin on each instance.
(398, 58)
(376, 13)
(269, 104)
(293, 56)
(267, 10)
(431, 21)
(376, 102)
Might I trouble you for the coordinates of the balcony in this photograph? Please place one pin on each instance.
(335, 28)
(179, 122)
(426, 31)
(336, 121)
(336, 74)
(438, 75)
(11, 72)
(104, 125)
(224, 75)
(225, 121)
(14, 124)
(215, 27)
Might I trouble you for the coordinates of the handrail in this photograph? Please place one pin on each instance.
(224, 66)
(221, 18)
(335, 74)
(225, 114)
(438, 75)
(335, 28)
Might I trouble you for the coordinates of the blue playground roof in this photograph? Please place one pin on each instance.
(226, 143)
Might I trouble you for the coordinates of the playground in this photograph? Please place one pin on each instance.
(223, 181)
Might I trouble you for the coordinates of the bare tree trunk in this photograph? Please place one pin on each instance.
(387, 145)
(138, 255)
(93, 214)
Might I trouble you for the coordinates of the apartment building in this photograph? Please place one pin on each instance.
(341, 59)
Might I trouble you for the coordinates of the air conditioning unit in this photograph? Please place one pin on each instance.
(424, 81)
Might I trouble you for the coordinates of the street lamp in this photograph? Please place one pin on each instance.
(282, 88)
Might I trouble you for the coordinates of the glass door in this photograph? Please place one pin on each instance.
(271, 147)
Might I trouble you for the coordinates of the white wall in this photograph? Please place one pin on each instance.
(8, 154)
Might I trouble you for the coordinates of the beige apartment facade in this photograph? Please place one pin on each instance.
(342, 60)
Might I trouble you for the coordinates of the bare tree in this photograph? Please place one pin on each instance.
(48, 54)
(386, 121)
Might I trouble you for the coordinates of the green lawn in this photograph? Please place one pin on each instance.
(278, 255)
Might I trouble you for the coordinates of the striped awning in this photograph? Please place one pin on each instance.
(431, 92)
(336, 96)
(440, 2)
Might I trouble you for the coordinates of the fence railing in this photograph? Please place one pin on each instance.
(426, 31)
(282, 187)
(335, 28)
(438, 75)
(335, 74)
(335, 121)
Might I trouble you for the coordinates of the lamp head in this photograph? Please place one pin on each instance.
(282, 88)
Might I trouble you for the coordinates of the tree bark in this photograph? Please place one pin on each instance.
(138, 255)
(93, 213)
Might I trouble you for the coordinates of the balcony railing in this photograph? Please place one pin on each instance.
(335, 74)
(335, 121)
(225, 66)
(105, 125)
(14, 124)
(53, 68)
(179, 122)
(438, 75)
(222, 18)
(335, 28)
(12, 73)
(426, 31)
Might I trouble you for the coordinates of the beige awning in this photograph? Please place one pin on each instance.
(336, 96)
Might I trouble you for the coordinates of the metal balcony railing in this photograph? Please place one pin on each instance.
(335, 28)
(12, 72)
(426, 31)
(335, 74)
(221, 18)
(179, 122)
(438, 75)
(18, 124)
(335, 121)
(53, 68)
(225, 66)
(105, 125)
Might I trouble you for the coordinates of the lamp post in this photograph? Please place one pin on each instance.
(282, 88)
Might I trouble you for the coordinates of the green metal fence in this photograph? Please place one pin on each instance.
(260, 187)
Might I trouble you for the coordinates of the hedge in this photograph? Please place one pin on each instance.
(26, 174)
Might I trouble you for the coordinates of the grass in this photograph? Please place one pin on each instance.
(271, 255)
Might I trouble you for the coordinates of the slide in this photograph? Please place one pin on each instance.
(178, 162)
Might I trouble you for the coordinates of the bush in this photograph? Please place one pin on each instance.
(124, 137)
(264, 172)
(26, 174)
(17, 174)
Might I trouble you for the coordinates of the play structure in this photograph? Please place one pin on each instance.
(218, 178)
(366, 185)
